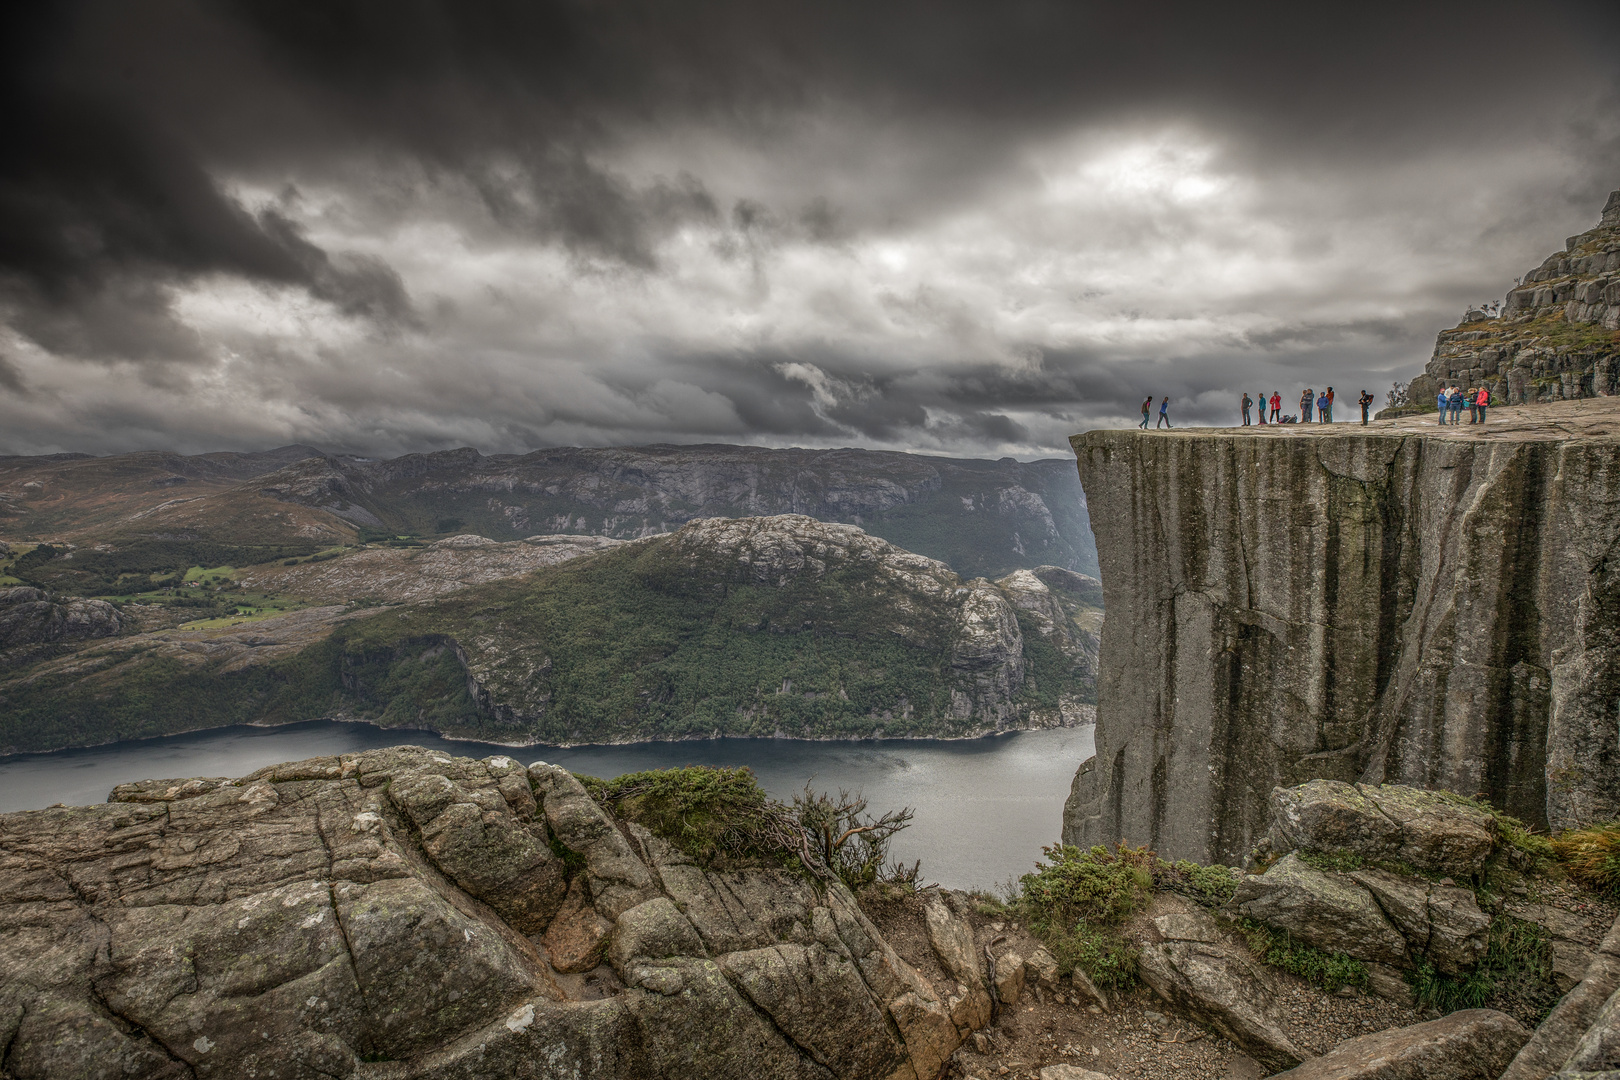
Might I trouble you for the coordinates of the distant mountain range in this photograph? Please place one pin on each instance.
(980, 517)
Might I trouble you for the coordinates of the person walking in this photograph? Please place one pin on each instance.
(1327, 417)
(1324, 409)
(1482, 401)
(1366, 401)
(1164, 414)
(1276, 407)
(1442, 401)
(1305, 401)
(1147, 407)
(1248, 403)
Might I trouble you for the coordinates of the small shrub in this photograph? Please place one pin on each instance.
(1592, 857)
(705, 812)
(1210, 886)
(852, 843)
(1330, 971)
(1101, 886)
(1073, 901)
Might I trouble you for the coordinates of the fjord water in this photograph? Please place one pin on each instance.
(984, 807)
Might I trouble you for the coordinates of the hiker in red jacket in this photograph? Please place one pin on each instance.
(1276, 407)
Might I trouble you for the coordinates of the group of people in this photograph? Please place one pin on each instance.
(1322, 404)
(1453, 399)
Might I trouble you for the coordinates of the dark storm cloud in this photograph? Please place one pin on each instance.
(944, 225)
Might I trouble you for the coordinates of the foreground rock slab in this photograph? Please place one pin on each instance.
(1200, 976)
(406, 914)
(1475, 1044)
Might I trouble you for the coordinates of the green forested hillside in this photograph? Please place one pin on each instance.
(753, 627)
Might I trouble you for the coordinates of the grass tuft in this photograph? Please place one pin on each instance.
(1330, 971)
(1592, 857)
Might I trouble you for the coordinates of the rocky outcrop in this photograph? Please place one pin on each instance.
(1475, 1044)
(1556, 337)
(1200, 974)
(402, 906)
(32, 617)
(1392, 604)
(406, 575)
(1372, 915)
(1428, 831)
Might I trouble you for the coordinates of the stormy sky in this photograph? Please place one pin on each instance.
(383, 226)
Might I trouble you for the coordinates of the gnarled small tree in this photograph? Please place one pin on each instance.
(853, 844)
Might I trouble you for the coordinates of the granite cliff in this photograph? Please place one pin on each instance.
(1557, 335)
(1396, 603)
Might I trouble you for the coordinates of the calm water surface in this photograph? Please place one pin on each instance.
(984, 807)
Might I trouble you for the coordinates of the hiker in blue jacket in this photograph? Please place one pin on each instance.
(1324, 408)
(1164, 415)
(1442, 401)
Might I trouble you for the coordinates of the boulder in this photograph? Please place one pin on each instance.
(1431, 831)
(1439, 833)
(1009, 978)
(1597, 1055)
(1330, 911)
(1088, 991)
(951, 937)
(1475, 1044)
(1441, 922)
(1220, 985)
(1330, 815)
(1042, 966)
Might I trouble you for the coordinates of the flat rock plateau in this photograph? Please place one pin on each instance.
(1400, 602)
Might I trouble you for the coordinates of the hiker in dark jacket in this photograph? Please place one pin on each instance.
(1455, 401)
(1147, 407)
(1324, 409)
(1305, 401)
(1248, 403)
(1365, 401)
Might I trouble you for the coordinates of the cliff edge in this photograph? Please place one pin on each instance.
(1397, 603)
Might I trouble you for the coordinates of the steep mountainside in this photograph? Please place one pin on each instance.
(1558, 336)
(754, 626)
(1399, 603)
(982, 517)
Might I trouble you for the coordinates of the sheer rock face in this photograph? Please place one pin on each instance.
(1393, 604)
(1558, 335)
(398, 906)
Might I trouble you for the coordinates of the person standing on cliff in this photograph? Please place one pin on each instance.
(1482, 401)
(1324, 409)
(1327, 416)
(1164, 414)
(1471, 399)
(1305, 401)
(1456, 403)
(1365, 401)
(1276, 407)
(1262, 408)
(1442, 402)
(1248, 403)
(1147, 407)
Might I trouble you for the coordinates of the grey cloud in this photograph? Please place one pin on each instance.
(551, 221)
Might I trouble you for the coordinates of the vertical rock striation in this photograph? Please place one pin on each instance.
(1387, 604)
